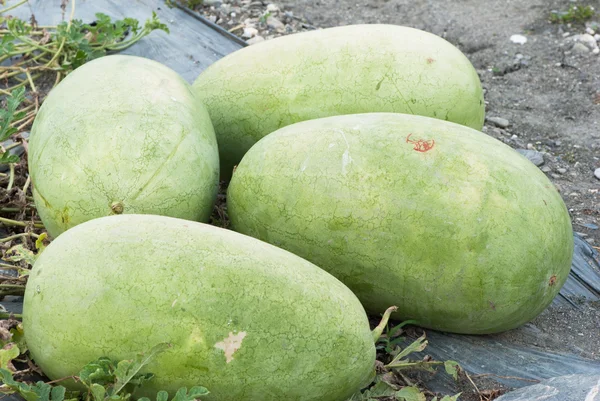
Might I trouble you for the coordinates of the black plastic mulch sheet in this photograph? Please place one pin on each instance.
(191, 46)
(194, 44)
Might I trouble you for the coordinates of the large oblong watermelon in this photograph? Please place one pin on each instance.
(245, 319)
(454, 227)
(122, 134)
(341, 70)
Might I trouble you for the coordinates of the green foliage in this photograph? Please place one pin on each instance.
(9, 115)
(392, 338)
(575, 14)
(390, 343)
(33, 51)
(192, 4)
(105, 380)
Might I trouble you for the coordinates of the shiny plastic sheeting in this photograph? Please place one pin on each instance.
(192, 45)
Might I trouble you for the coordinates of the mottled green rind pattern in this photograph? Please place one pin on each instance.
(122, 129)
(467, 237)
(119, 285)
(342, 70)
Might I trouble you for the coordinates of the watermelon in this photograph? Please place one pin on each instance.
(454, 227)
(245, 319)
(122, 134)
(342, 70)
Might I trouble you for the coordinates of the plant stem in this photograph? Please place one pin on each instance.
(10, 209)
(27, 182)
(384, 320)
(10, 238)
(6, 266)
(11, 179)
(11, 286)
(33, 88)
(62, 42)
(13, 6)
(9, 222)
(4, 315)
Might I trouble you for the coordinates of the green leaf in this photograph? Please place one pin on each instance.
(194, 393)
(10, 114)
(58, 393)
(127, 370)
(162, 396)
(98, 392)
(451, 398)
(155, 23)
(39, 243)
(18, 337)
(416, 346)
(99, 371)
(8, 158)
(7, 354)
(18, 253)
(452, 368)
(410, 394)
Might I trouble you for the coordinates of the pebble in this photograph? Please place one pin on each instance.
(272, 8)
(589, 31)
(561, 170)
(499, 122)
(249, 32)
(596, 50)
(580, 48)
(514, 137)
(597, 37)
(597, 173)
(274, 23)
(216, 3)
(530, 146)
(518, 39)
(255, 39)
(546, 169)
(588, 40)
(533, 155)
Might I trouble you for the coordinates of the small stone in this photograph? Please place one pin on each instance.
(272, 8)
(561, 170)
(580, 48)
(499, 122)
(533, 155)
(255, 40)
(513, 137)
(577, 164)
(546, 169)
(597, 173)
(555, 175)
(589, 31)
(565, 34)
(212, 18)
(275, 24)
(518, 39)
(588, 40)
(596, 51)
(249, 32)
(597, 37)
(530, 146)
(215, 3)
